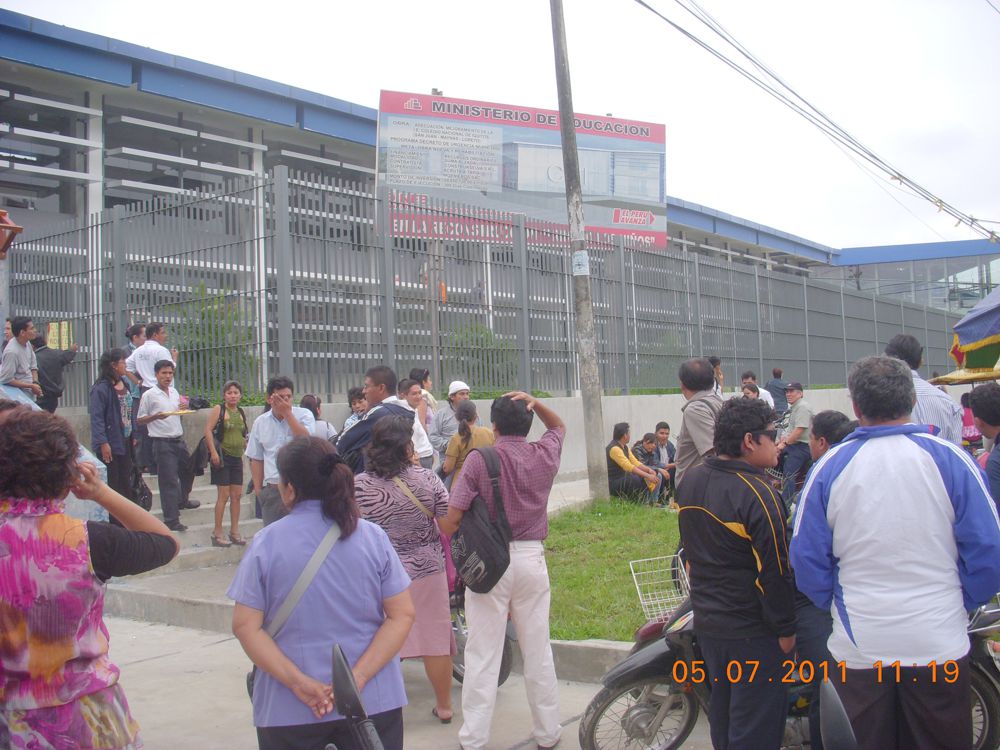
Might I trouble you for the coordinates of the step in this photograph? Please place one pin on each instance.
(199, 533)
(206, 512)
(185, 597)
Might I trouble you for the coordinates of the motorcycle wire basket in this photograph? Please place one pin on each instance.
(662, 585)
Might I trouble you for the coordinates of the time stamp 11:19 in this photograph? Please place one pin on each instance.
(807, 671)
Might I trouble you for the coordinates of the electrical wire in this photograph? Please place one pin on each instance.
(784, 93)
(993, 6)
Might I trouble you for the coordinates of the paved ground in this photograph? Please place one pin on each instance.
(187, 689)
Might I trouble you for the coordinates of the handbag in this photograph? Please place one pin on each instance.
(301, 584)
(480, 546)
(141, 495)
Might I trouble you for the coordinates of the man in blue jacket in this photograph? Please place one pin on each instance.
(380, 385)
(896, 533)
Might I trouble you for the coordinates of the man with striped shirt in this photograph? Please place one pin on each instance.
(934, 406)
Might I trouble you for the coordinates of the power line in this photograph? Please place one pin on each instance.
(784, 93)
(993, 6)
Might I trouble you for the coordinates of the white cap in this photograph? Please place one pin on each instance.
(456, 386)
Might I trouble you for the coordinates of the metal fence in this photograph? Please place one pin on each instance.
(319, 279)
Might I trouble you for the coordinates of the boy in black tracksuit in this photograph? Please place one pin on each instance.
(733, 531)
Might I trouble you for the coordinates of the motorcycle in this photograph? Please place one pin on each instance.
(651, 700)
(459, 629)
(348, 701)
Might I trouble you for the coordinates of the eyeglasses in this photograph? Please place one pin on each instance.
(772, 434)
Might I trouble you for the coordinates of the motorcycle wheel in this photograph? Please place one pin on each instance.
(458, 660)
(622, 717)
(985, 713)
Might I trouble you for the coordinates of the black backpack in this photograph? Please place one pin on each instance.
(480, 548)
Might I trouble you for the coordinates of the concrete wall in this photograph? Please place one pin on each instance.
(641, 412)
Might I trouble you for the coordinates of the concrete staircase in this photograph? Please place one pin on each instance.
(190, 591)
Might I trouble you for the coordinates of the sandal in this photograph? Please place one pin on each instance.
(220, 541)
(436, 715)
(238, 540)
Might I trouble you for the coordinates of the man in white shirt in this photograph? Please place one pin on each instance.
(140, 369)
(166, 437)
(934, 406)
(18, 365)
(410, 396)
(763, 394)
(271, 431)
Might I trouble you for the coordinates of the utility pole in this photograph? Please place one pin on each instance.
(590, 377)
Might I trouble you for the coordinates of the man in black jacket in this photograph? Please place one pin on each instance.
(733, 530)
(380, 384)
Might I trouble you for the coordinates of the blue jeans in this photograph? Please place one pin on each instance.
(796, 458)
(812, 630)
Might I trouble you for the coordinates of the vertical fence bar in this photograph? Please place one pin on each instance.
(843, 331)
(119, 292)
(805, 317)
(760, 322)
(384, 243)
(626, 363)
(521, 256)
(283, 268)
(697, 303)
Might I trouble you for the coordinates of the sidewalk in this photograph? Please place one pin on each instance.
(187, 689)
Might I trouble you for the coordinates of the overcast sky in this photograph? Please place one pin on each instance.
(916, 81)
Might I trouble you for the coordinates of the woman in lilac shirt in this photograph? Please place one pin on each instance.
(359, 598)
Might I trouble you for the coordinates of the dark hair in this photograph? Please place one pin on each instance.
(466, 412)
(311, 403)
(619, 431)
(881, 388)
(278, 383)
(232, 384)
(406, 384)
(749, 374)
(161, 363)
(354, 395)
(905, 347)
(738, 417)
(696, 374)
(832, 425)
(134, 330)
(985, 403)
(104, 371)
(38, 454)
(776, 372)
(715, 361)
(420, 374)
(38, 342)
(382, 375)
(649, 437)
(964, 400)
(511, 417)
(752, 387)
(18, 324)
(313, 468)
(154, 328)
(661, 426)
(391, 447)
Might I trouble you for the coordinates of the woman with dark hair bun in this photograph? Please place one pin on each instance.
(59, 688)
(467, 439)
(111, 420)
(358, 598)
(404, 499)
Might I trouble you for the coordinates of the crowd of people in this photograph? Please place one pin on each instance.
(893, 527)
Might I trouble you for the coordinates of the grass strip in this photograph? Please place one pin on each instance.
(588, 552)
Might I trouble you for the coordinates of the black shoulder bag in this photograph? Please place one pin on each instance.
(480, 548)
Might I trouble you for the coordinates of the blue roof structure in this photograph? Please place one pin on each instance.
(47, 45)
(50, 46)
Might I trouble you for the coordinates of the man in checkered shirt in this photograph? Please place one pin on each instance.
(527, 471)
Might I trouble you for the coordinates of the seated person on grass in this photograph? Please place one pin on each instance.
(628, 477)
